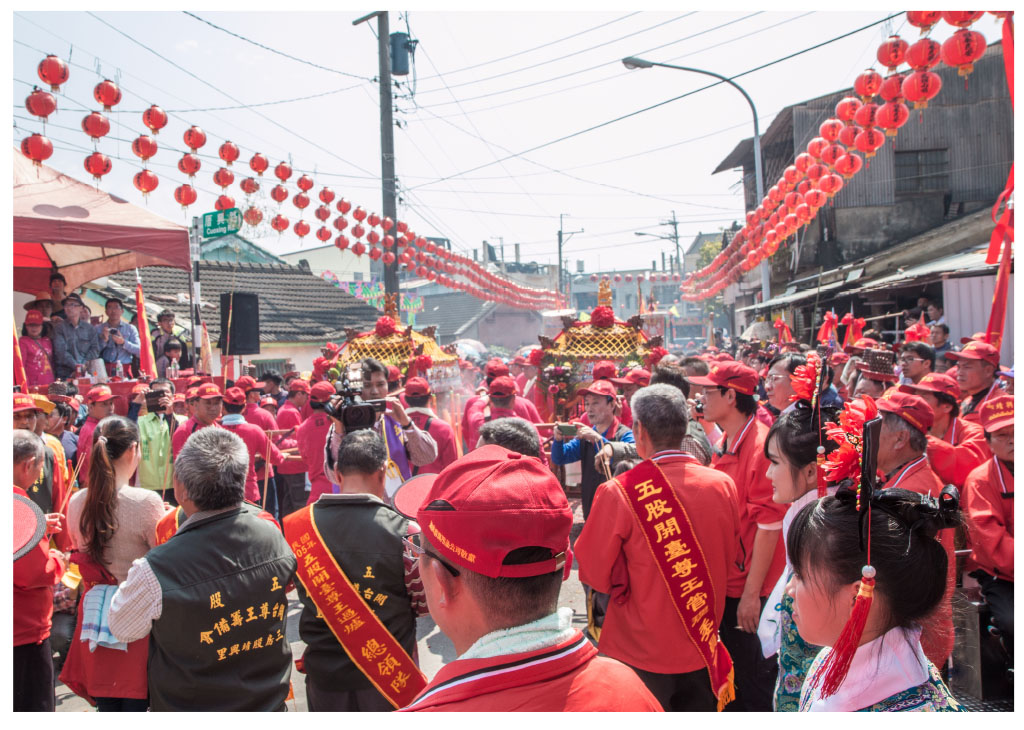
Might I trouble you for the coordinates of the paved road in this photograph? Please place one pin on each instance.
(435, 649)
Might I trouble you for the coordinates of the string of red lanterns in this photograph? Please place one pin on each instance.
(858, 130)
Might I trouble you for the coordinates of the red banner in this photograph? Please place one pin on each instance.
(147, 362)
(362, 635)
(681, 560)
(997, 318)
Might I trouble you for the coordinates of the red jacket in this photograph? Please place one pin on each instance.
(289, 417)
(260, 417)
(973, 417)
(182, 433)
(477, 415)
(958, 452)
(443, 435)
(746, 464)
(645, 630)
(35, 575)
(937, 636)
(256, 442)
(567, 677)
(84, 453)
(990, 517)
(311, 438)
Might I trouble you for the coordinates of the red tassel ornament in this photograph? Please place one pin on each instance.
(833, 670)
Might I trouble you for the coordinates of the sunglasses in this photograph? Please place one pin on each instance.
(414, 550)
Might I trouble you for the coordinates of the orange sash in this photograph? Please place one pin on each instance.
(168, 525)
(680, 558)
(362, 635)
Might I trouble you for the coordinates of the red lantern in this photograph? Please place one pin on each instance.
(833, 152)
(37, 148)
(343, 206)
(107, 94)
(326, 196)
(791, 221)
(341, 242)
(815, 172)
(223, 177)
(892, 87)
(322, 213)
(53, 71)
(301, 200)
(98, 164)
(803, 187)
(921, 87)
(431, 247)
(961, 18)
(847, 107)
(815, 146)
(194, 138)
(360, 248)
(849, 165)
(228, 152)
(803, 161)
(304, 183)
(770, 237)
(865, 116)
(893, 52)
(249, 185)
(373, 237)
(373, 220)
(594, 277)
(869, 141)
(224, 202)
(95, 125)
(146, 182)
(359, 214)
(40, 103)
(279, 193)
(259, 164)
(792, 174)
(891, 116)
(388, 258)
(279, 223)
(830, 129)
(831, 184)
(185, 195)
(803, 214)
(401, 226)
(155, 119)
(253, 216)
(341, 223)
(924, 54)
(376, 253)
(301, 229)
(283, 171)
(867, 84)
(389, 242)
(144, 147)
(617, 278)
(962, 49)
(815, 199)
(924, 19)
(848, 135)
(358, 231)
(386, 224)
(793, 200)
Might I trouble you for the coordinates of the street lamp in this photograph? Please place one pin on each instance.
(674, 239)
(632, 62)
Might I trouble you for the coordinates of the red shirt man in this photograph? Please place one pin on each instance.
(501, 402)
(955, 446)
(101, 405)
(988, 494)
(606, 370)
(256, 441)
(976, 367)
(494, 368)
(256, 416)
(417, 394)
(311, 437)
(208, 399)
(290, 417)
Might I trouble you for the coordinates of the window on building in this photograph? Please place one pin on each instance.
(357, 276)
(922, 171)
(263, 366)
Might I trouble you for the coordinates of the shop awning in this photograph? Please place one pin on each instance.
(791, 297)
(962, 264)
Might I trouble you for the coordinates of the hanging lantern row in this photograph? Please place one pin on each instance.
(859, 129)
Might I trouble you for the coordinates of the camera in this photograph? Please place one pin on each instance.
(153, 400)
(350, 410)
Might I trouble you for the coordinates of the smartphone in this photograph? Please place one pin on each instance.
(567, 429)
(153, 400)
(112, 331)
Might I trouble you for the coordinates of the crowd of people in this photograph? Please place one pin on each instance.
(722, 569)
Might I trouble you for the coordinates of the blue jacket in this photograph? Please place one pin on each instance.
(567, 452)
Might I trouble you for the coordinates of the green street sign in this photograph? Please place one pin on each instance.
(222, 222)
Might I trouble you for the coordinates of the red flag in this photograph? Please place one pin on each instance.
(19, 366)
(828, 332)
(147, 363)
(919, 332)
(854, 328)
(997, 319)
(785, 334)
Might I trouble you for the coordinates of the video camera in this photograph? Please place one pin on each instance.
(350, 410)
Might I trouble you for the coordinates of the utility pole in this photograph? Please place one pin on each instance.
(675, 239)
(561, 280)
(387, 133)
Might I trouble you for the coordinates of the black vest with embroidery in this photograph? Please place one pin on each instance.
(219, 644)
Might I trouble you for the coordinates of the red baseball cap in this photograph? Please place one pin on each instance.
(495, 368)
(605, 369)
(195, 381)
(192, 394)
(864, 343)
(502, 386)
(636, 376)
(838, 358)
(520, 360)
(996, 413)
(98, 394)
(394, 374)
(935, 383)
(485, 505)
(417, 387)
(24, 402)
(298, 386)
(268, 400)
(976, 350)
(34, 316)
(599, 387)
(730, 374)
(911, 408)
(209, 391)
(976, 337)
(140, 388)
(322, 391)
(235, 396)
(246, 384)
(179, 397)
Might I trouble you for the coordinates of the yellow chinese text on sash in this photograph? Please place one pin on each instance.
(362, 635)
(168, 525)
(680, 559)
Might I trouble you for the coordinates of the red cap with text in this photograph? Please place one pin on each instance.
(997, 413)
(247, 383)
(417, 387)
(24, 402)
(298, 386)
(322, 391)
(98, 394)
(729, 374)
(975, 350)
(911, 408)
(604, 369)
(502, 387)
(235, 396)
(935, 383)
(636, 376)
(599, 387)
(495, 368)
(208, 391)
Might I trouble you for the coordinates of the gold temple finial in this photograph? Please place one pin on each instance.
(604, 294)
(391, 306)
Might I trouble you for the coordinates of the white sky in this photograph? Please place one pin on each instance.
(622, 178)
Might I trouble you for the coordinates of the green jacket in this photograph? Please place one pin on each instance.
(155, 452)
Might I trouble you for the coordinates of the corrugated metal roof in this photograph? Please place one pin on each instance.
(970, 262)
(794, 297)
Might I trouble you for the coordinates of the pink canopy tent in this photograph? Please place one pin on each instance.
(86, 233)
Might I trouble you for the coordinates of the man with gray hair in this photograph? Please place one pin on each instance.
(513, 433)
(212, 598)
(675, 524)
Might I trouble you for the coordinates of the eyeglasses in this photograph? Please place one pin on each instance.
(414, 550)
(772, 377)
(911, 359)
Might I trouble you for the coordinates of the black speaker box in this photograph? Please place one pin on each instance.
(245, 324)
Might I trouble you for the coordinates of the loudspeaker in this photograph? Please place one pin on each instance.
(245, 323)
